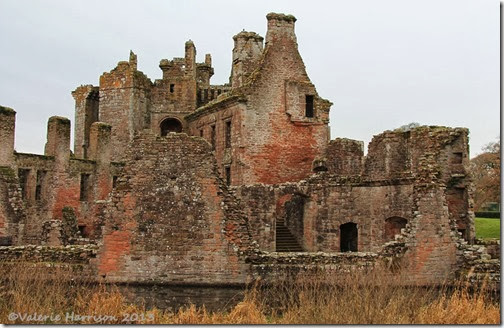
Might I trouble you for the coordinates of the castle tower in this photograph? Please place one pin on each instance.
(7, 126)
(124, 104)
(87, 100)
(248, 47)
(58, 140)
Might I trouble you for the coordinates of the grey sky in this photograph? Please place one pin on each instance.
(382, 63)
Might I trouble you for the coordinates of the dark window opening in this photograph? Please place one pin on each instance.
(114, 181)
(38, 187)
(84, 187)
(393, 226)
(456, 158)
(463, 232)
(212, 137)
(458, 192)
(348, 237)
(172, 88)
(228, 134)
(83, 231)
(205, 99)
(170, 125)
(228, 175)
(219, 91)
(23, 180)
(309, 106)
(212, 94)
(201, 133)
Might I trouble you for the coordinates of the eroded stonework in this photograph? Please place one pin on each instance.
(180, 181)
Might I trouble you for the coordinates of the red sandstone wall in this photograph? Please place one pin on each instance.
(165, 221)
(281, 143)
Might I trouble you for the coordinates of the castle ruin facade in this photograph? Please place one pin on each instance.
(182, 181)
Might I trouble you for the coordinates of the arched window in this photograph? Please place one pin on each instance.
(170, 125)
(348, 237)
(393, 226)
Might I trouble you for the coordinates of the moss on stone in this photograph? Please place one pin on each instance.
(7, 111)
(7, 172)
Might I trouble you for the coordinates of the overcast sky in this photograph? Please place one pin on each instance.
(382, 63)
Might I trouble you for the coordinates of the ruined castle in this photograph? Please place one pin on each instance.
(182, 181)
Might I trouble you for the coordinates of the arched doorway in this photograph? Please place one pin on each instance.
(170, 125)
(393, 226)
(348, 237)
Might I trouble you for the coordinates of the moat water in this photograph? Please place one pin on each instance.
(171, 298)
(215, 299)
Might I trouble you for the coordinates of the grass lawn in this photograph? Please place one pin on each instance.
(487, 228)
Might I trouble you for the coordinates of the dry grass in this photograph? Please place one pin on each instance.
(370, 298)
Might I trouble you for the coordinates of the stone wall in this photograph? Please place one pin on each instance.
(344, 157)
(170, 219)
(124, 103)
(221, 125)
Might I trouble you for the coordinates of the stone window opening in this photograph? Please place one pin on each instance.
(348, 237)
(23, 180)
(114, 181)
(201, 133)
(228, 134)
(84, 187)
(309, 110)
(393, 226)
(172, 88)
(83, 231)
(212, 137)
(228, 175)
(457, 158)
(170, 125)
(40, 181)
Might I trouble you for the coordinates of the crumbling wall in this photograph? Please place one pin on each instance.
(87, 101)
(344, 157)
(168, 220)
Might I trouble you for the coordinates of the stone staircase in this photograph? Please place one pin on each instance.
(285, 241)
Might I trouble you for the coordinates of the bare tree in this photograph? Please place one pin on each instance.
(485, 169)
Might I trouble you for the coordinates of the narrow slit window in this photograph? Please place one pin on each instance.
(201, 133)
(212, 137)
(23, 180)
(457, 158)
(309, 112)
(114, 181)
(172, 88)
(39, 185)
(84, 187)
(228, 134)
(228, 175)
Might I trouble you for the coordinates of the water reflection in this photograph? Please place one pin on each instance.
(172, 298)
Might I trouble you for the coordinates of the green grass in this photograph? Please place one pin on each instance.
(487, 228)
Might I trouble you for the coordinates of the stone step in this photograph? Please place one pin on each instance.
(285, 241)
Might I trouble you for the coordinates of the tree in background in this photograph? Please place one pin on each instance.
(485, 169)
